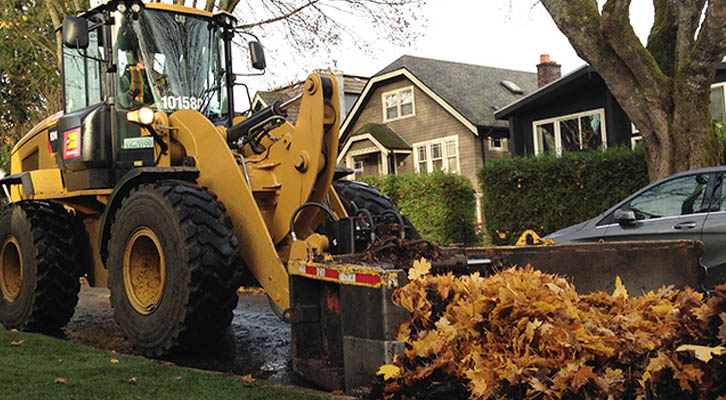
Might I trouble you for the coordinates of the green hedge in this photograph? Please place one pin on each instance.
(441, 206)
(548, 193)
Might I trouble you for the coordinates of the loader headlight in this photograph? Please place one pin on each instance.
(143, 116)
(136, 7)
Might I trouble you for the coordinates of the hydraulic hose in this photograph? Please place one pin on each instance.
(260, 118)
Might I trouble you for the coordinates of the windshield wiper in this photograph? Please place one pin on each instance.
(208, 93)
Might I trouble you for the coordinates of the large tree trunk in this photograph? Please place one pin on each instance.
(665, 88)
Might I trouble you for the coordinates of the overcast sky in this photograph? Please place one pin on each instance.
(497, 33)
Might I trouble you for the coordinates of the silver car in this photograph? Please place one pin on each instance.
(689, 205)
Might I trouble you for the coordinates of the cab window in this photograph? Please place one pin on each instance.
(83, 76)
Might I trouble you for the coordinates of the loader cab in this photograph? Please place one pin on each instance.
(124, 55)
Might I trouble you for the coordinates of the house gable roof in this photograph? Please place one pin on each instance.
(384, 135)
(543, 92)
(471, 93)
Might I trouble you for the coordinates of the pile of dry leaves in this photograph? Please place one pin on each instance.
(524, 334)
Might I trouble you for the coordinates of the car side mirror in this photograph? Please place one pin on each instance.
(75, 33)
(257, 53)
(624, 217)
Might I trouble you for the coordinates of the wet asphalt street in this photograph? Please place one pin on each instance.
(257, 343)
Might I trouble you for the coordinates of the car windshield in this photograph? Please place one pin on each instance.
(169, 62)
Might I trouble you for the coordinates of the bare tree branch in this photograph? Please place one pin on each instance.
(55, 18)
(281, 17)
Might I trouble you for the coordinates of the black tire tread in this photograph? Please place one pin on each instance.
(57, 276)
(370, 198)
(210, 246)
(363, 195)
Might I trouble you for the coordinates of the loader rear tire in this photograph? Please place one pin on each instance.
(358, 195)
(172, 266)
(39, 274)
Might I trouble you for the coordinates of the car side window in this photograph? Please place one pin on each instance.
(680, 196)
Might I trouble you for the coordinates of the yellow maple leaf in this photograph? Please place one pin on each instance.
(620, 289)
(662, 310)
(389, 371)
(420, 268)
(114, 361)
(703, 353)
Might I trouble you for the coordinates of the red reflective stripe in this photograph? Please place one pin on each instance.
(367, 279)
(311, 270)
(332, 274)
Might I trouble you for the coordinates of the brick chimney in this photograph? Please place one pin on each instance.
(547, 71)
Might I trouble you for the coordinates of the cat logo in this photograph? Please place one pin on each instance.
(71, 143)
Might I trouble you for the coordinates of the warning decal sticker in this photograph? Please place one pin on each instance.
(72, 143)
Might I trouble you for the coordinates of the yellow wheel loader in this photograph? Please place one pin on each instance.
(148, 184)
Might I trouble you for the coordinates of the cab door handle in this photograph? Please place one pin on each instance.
(685, 225)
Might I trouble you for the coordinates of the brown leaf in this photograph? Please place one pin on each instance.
(133, 380)
(61, 381)
(248, 378)
(17, 343)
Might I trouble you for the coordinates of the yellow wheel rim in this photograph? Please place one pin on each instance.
(11, 269)
(144, 271)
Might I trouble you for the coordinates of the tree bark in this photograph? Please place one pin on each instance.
(664, 88)
(55, 18)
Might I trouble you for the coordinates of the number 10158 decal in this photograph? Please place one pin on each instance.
(181, 102)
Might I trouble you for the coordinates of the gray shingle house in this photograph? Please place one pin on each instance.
(420, 114)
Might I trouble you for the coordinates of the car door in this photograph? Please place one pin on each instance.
(675, 209)
(714, 236)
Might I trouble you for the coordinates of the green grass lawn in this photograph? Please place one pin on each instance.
(34, 366)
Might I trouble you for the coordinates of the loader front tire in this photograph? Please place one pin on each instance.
(39, 274)
(172, 260)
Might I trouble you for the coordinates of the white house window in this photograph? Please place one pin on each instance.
(421, 162)
(575, 132)
(436, 154)
(437, 160)
(358, 166)
(452, 156)
(398, 104)
(718, 105)
(495, 143)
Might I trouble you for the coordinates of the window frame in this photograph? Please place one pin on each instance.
(427, 145)
(396, 93)
(709, 194)
(357, 170)
(90, 98)
(555, 121)
(721, 86)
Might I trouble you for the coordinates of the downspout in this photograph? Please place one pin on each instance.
(483, 149)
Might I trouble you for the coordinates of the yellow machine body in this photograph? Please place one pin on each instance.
(297, 168)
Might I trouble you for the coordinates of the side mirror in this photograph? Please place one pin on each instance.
(75, 33)
(257, 53)
(624, 217)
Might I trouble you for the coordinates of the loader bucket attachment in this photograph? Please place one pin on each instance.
(592, 267)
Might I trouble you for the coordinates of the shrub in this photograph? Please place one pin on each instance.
(547, 193)
(441, 206)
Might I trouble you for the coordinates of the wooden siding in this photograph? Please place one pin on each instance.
(361, 144)
(371, 164)
(430, 121)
